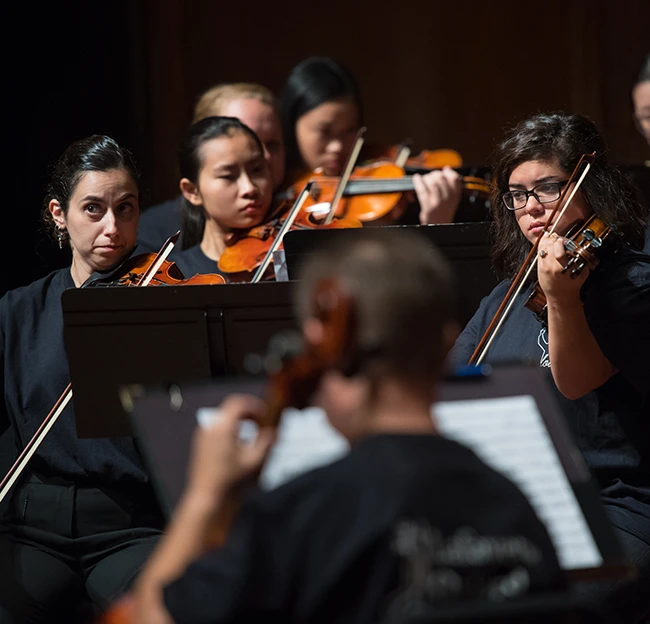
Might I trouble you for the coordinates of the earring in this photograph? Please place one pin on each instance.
(61, 236)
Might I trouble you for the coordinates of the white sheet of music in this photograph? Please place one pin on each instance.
(305, 441)
(509, 434)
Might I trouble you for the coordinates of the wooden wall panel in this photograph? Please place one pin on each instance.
(446, 74)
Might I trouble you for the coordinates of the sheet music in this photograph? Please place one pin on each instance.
(509, 434)
(305, 441)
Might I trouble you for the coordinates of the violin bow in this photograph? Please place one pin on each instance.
(32, 446)
(295, 209)
(288, 222)
(347, 172)
(156, 263)
(531, 260)
(403, 152)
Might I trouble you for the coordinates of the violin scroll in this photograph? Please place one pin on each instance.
(582, 248)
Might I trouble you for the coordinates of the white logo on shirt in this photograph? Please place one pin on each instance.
(463, 565)
(542, 341)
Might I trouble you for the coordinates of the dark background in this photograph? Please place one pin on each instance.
(446, 74)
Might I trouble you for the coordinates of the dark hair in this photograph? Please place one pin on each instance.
(402, 293)
(94, 153)
(565, 138)
(190, 162)
(313, 82)
(644, 72)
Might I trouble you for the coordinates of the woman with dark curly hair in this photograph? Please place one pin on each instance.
(596, 339)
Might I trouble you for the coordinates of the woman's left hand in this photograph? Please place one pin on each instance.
(551, 259)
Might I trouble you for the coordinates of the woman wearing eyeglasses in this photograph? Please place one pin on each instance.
(596, 341)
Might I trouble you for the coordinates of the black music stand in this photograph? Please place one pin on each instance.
(164, 420)
(467, 247)
(116, 336)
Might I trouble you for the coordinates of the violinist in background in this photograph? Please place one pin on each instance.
(254, 105)
(321, 114)
(596, 341)
(641, 102)
(345, 542)
(82, 518)
(226, 184)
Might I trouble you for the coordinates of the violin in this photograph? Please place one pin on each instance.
(168, 274)
(151, 269)
(374, 190)
(253, 249)
(581, 246)
(292, 384)
(426, 160)
(247, 250)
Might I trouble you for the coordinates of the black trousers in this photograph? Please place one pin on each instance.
(63, 548)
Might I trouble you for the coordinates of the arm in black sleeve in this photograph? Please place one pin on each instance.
(618, 312)
(238, 581)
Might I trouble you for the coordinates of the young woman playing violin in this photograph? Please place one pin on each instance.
(321, 114)
(226, 185)
(81, 518)
(596, 339)
(255, 106)
(325, 547)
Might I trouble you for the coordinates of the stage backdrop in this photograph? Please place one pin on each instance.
(445, 74)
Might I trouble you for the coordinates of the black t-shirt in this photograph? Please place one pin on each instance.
(610, 425)
(158, 223)
(34, 374)
(193, 261)
(350, 541)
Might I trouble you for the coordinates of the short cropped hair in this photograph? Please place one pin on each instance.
(213, 101)
(403, 297)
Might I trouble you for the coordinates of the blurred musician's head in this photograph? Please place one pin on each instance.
(401, 320)
(321, 114)
(255, 106)
(641, 100)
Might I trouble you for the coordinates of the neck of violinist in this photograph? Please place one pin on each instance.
(214, 239)
(79, 271)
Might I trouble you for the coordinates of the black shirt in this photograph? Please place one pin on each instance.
(610, 425)
(345, 542)
(158, 223)
(34, 374)
(193, 261)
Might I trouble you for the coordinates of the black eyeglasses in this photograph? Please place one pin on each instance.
(543, 193)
